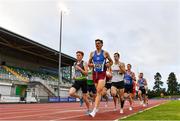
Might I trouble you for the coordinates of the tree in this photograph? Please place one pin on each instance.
(158, 83)
(172, 84)
(151, 93)
(178, 89)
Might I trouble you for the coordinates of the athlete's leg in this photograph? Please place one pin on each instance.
(94, 92)
(133, 95)
(94, 97)
(100, 86)
(85, 98)
(104, 95)
(114, 93)
(72, 93)
(144, 97)
(104, 91)
(140, 95)
(130, 101)
(121, 95)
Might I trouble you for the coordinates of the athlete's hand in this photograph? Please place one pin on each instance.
(91, 65)
(120, 72)
(131, 74)
(108, 65)
(77, 67)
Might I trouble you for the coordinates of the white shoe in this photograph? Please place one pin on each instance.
(93, 113)
(121, 111)
(87, 112)
(130, 108)
(115, 109)
(141, 102)
(144, 105)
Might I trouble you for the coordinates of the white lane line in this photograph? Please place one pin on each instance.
(102, 107)
(34, 111)
(44, 114)
(140, 111)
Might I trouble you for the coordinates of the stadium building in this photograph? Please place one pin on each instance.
(29, 69)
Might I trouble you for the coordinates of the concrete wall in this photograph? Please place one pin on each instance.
(5, 89)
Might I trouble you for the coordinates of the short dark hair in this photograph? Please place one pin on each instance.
(129, 65)
(117, 54)
(101, 41)
(81, 52)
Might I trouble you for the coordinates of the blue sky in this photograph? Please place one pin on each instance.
(145, 32)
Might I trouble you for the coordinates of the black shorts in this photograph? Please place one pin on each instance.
(108, 86)
(91, 88)
(143, 90)
(118, 85)
(80, 84)
(128, 89)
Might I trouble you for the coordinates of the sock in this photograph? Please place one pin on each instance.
(95, 109)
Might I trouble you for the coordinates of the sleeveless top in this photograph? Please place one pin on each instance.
(115, 73)
(77, 73)
(128, 79)
(141, 82)
(99, 62)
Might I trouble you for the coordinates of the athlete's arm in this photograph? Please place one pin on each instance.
(133, 76)
(73, 72)
(122, 68)
(90, 63)
(109, 69)
(145, 82)
(85, 71)
(109, 58)
(138, 83)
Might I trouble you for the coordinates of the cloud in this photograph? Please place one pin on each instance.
(145, 32)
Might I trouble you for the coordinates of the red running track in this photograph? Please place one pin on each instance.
(66, 111)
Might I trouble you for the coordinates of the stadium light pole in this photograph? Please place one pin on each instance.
(63, 10)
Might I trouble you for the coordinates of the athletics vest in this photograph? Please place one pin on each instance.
(78, 74)
(99, 62)
(115, 73)
(141, 82)
(128, 79)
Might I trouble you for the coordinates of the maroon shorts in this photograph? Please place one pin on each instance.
(134, 91)
(99, 76)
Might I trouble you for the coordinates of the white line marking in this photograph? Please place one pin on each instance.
(59, 112)
(140, 111)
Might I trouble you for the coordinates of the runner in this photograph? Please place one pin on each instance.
(90, 86)
(107, 85)
(117, 88)
(97, 60)
(128, 79)
(134, 89)
(80, 77)
(142, 84)
(147, 99)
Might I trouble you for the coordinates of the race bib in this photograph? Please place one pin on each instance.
(127, 82)
(78, 74)
(98, 66)
(115, 72)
